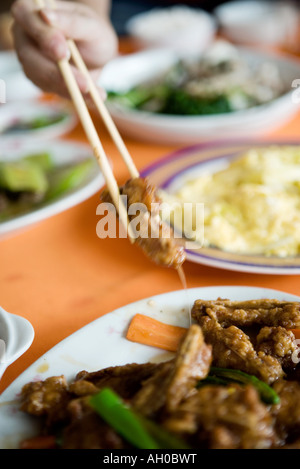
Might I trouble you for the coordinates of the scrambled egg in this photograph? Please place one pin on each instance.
(252, 206)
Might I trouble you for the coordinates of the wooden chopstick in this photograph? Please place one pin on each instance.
(107, 119)
(93, 137)
(100, 105)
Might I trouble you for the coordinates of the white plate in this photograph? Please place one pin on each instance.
(258, 22)
(171, 172)
(26, 110)
(17, 85)
(16, 336)
(125, 72)
(102, 343)
(62, 152)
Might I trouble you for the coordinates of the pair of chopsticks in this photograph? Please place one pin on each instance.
(88, 125)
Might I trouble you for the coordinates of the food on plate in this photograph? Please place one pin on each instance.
(220, 81)
(252, 206)
(153, 235)
(228, 386)
(23, 125)
(27, 183)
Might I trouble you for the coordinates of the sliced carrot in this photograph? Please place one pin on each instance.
(148, 331)
(296, 333)
(40, 442)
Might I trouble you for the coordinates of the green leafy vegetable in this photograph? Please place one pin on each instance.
(164, 99)
(23, 176)
(67, 178)
(43, 160)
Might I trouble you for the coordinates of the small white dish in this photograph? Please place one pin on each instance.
(187, 31)
(16, 336)
(29, 110)
(125, 72)
(62, 152)
(102, 343)
(258, 22)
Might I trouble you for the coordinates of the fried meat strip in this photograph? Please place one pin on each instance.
(232, 348)
(155, 238)
(278, 342)
(247, 313)
(47, 398)
(220, 417)
(125, 380)
(176, 379)
(287, 412)
(85, 430)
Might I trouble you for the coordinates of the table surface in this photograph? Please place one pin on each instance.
(60, 276)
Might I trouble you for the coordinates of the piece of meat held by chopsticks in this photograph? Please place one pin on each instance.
(162, 248)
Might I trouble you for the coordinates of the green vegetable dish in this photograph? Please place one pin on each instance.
(34, 180)
(219, 82)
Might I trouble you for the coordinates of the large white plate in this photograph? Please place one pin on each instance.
(173, 171)
(62, 152)
(125, 72)
(102, 343)
(26, 110)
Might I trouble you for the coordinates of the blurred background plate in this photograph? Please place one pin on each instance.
(125, 72)
(61, 153)
(35, 119)
(259, 22)
(185, 30)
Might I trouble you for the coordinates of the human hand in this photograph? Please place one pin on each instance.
(40, 41)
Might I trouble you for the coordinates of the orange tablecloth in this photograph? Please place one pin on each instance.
(61, 276)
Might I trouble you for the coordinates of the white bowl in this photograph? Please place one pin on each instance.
(186, 30)
(16, 336)
(18, 86)
(257, 22)
(126, 72)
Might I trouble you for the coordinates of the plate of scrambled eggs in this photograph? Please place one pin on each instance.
(250, 193)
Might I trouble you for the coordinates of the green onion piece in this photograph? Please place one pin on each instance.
(267, 394)
(112, 409)
(139, 431)
(212, 380)
(165, 439)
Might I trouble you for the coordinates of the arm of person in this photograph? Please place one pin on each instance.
(40, 39)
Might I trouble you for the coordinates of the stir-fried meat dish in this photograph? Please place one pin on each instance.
(233, 384)
(155, 237)
(248, 313)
